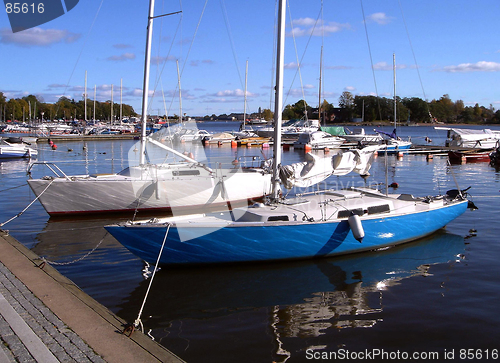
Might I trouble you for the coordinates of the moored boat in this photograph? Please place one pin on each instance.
(9, 150)
(468, 156)
(471, 138)
(177, 183)
(317, 140)
(309, 225)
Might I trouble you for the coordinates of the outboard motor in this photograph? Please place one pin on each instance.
(454, 193)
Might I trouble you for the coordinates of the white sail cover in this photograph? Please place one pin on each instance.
(317, 168)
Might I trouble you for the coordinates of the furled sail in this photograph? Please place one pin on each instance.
(317, 168)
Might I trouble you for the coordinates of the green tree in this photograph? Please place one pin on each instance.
(443, 109)
(267, 114)
(418, 109)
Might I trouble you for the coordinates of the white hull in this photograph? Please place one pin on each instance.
(9, 151)
(114, 193)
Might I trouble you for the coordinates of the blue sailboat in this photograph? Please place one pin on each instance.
(309, 225)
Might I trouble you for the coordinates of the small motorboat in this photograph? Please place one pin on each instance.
(318, 140)
(190, 135)
(16, 150)
(468, 156)
(218, 139)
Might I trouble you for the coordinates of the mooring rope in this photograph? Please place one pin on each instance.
(29, 205)
(138, 321)
(19, 186)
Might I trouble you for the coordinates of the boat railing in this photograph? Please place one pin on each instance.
(52, 167)
(250, 161)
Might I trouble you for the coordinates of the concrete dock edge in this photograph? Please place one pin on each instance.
(91, 321)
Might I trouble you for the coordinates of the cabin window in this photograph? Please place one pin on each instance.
(277, 218)
(347, 213)
(379, 209)
(185, 172)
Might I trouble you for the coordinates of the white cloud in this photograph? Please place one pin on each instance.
(233, 93)
(379, 18)
(291, 65)
(350, 88)
(338, 67)
(305, 27)
(160, 60)
(481, 66)
(304, 22)
(37, 37)
(122, 57)
(384, 66)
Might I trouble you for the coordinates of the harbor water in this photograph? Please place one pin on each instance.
(433, 299)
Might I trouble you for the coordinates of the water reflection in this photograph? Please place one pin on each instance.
(279, 302)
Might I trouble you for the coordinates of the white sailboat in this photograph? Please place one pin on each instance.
(310, 225)
(183, 184)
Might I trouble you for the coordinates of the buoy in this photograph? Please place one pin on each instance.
(326, 150)
(234, 143)
(394, 185)
(430, 156)
(266, 145)
(400, 154)
(219, 143)
(235, 162)
(375, 153)
(70, 150)
(54, 146)
(356, 227)
(249, 144)
(307, 148)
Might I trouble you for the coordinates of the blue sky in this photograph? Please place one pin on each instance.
(456, 45)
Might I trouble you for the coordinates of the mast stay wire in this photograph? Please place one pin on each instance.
(159, 73)
(414, 58)
(303, 54)
(371, 59)
(273, 55)
(229, 33)
(81, 52)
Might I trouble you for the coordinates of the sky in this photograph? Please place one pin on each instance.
(441, 47)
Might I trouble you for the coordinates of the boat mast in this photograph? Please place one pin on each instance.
(245, 98)
(278, 103)
(180, 92)
(145, 87)
(85, 98)
(394, 71)
(121, 100)
(320, 79)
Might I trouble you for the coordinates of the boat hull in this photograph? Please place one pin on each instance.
(468, 157)
(280, 241)
(111, 194)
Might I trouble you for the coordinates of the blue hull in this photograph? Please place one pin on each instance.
(396, 149)
(280, 242)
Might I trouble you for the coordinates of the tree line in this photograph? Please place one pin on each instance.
(66, 109)
(366, 108)
(377, 109)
